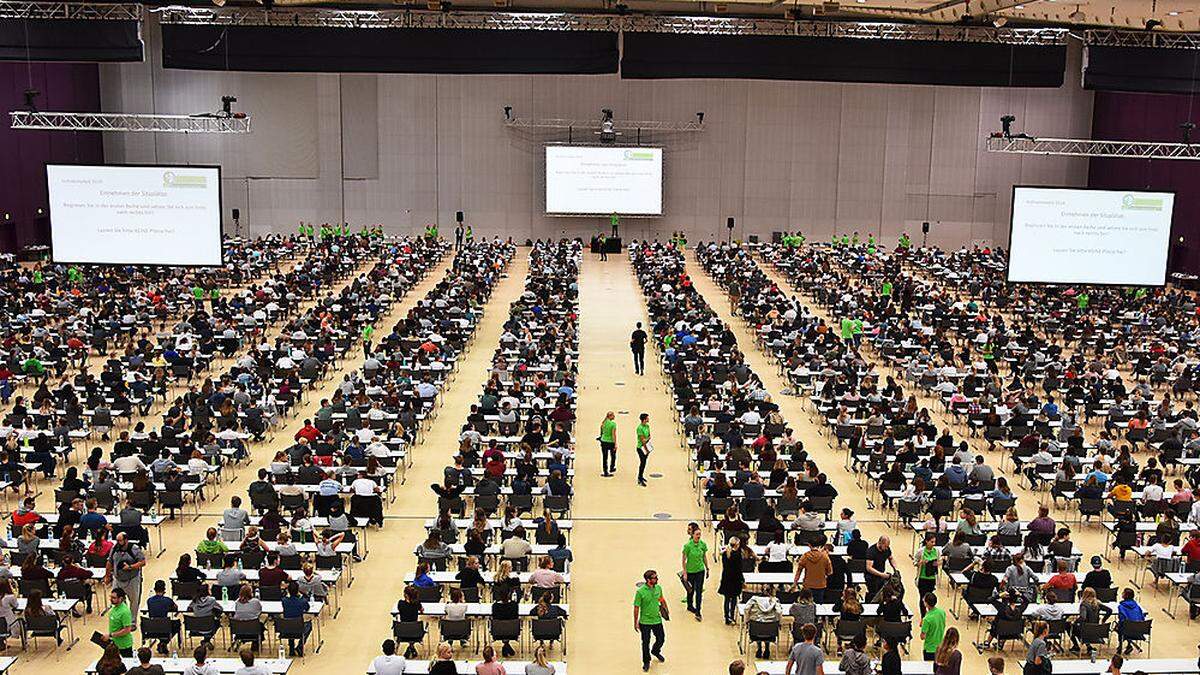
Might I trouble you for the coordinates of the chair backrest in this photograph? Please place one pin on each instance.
(505, 629)
(763, 631)
(151, 628)
(250, 628)
(900, 631)
(269, 592)
(1009, 629)
(454, 630)
(200, 624)
(46, 624)
(408, 631)
(547, 629)
(1136, 630)
(292, 628)
(430, 594)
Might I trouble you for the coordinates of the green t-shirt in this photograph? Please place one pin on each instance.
(119, 617)
(608, 430)
(934, 628)
(886, 290)
(847, 328)
(693, 554)
(643, 434)
(926, 571)
(367, 332)
(647, 601)
(858, 326)
(197, 292)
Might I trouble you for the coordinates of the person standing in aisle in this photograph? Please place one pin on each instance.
(608, 445)
(603, 240)
(458, 235)
(368, 332)
(695, 568)
(644, 448)
(649, 610)
(637, 344)
(927, 566)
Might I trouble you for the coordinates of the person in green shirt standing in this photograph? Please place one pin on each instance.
(368, 332)
(470, 233)
(608, 445)
(905, 242)
(846, 239)
(858, 331)
(886, 290)
(198, 292)
(644, 448)
(120, 622)
(74, 275)
(649, 607)
(695, 568)
(1083, 300)
(847, 329)
(933, 625)
(927, 566)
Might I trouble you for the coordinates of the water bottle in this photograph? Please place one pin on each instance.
(225, 594)
(281, 656)
(174, 655)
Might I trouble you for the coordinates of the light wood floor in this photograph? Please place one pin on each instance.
(621, 529)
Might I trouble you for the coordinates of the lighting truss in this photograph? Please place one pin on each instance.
(70, 10)
(180, 124)
(1141, 38)
(562, 21)
(623, 125)
(1072, 147)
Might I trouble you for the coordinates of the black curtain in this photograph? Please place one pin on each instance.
(69, 40)
(660, 55)
(387, 50)
(1163, 71)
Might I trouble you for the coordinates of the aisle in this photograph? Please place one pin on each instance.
(617, 536)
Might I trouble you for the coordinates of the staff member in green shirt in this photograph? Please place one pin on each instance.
(368, 332)
(933, 626)
(120, 623)
(649, 608)
(608, 445)
(695, 568)
(927, 566)
(643, 446)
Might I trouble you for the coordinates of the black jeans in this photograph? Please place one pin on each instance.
(660, 636)
(731, 603)
(925, 586)
(608, 457)
(696, 595)
(639, 361)
(642, 457)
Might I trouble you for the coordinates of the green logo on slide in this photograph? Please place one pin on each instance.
(177, 180)
(1135, 203)
(639, 154)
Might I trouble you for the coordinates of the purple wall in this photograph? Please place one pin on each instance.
(65, 87)
(1152, 117)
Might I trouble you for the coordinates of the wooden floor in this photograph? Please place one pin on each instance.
(621, 529)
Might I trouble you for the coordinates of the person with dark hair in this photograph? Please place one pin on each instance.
(933, 626)
(144, 667)
(162, 606)
(110, 663)
(389, 663)
(120, 622)
(649, 608)
(644, 446)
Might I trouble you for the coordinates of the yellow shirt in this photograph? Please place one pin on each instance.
(1122, 492)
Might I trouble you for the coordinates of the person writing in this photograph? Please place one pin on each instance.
(649, 610)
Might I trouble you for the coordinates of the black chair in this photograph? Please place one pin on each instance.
(898, 631)
(251, 631)
(430, 594)
(411, 633)
(455, 631)
(1134, 633)
(203, 627)
(505, 630)
(47, 625)
(764, 633)
(296, 629)
(1006, 630)
(547, 630)
(270, 593)
(161, 630)
(1093, 634)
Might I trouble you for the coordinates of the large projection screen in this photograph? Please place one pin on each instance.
(1078, 236)
(583, 180)
(135, 215)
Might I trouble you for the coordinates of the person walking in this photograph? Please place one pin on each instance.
(120, 623)
(603, 241)
(695, 568)
(933, 626)
(124, 572)
(644, 448)
(649, 610)
(733, 577)
(608, 445)
(458, 235)
(368, 332)
(637, 345)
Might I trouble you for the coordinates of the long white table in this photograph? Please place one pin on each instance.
(421, 667)
(1061, 667)
(224, 665)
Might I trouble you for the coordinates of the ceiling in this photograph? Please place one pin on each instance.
(1174, 15)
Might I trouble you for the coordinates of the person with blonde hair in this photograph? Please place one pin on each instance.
(444, 663)
(539, 665)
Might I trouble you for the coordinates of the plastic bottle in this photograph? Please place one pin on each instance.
(281, 656)
(225, 594)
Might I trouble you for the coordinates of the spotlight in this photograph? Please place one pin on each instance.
(31, 99)
(1006, 124)
(1151, 24)
(1186, 129)
(508, 112)
(999, 22)
(700, 117)
(227, 105)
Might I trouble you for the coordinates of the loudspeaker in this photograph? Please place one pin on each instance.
(459, 216)
(925, 227)
(729, 222)
(237, 214)
(776, 237)
(754, 239)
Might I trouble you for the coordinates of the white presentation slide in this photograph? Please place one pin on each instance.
(135, 215)
(603, 180)
(1075, 236)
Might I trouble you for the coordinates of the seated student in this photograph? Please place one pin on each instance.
(296, 606)
(162, 606)
(391, 664)
(505, 607)
(144, 667)
(201, 666)
(1127, 610)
